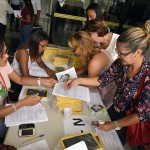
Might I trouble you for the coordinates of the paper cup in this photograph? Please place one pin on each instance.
(67, 112)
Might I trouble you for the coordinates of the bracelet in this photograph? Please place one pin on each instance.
(14, 107)
(39, 81)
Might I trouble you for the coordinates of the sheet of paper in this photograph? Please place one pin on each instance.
(39, 145)
(27, 114)
(17, 13)
(67, 74)
(78, 92)
(78, 124)
(110, 140)
(95, 98)
(81, 145)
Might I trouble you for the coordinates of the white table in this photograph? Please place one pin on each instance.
(53, 128)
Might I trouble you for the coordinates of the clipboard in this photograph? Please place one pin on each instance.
(40, 92)
(88, 137)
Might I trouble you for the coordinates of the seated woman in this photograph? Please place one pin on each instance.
(27, 60)
(94, 59)
(6, 74)
(127, 71)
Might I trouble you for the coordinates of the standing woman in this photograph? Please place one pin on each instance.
(127, 72)
(94, 11)
(26, 20)
(94, 59)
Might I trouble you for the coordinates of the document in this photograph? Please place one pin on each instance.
(39, 145)
(78, 92)
(80, 145)
(17, 13)
(27, 114)
(95, 98)
(110, 139)
(67, 74)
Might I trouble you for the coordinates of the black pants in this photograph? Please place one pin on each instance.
(2, 30)
(15, 7)
(114, 115)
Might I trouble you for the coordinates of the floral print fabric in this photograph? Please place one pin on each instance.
(127, 88)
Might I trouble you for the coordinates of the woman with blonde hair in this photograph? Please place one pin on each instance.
(94, 59)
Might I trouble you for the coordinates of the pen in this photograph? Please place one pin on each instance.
(39, 136)
(36, 96)
(42, 103)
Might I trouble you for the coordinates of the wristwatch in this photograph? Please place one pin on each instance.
(116, 125)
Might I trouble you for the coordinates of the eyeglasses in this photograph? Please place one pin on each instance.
(123, 54)
(43, 46)
(4, 53)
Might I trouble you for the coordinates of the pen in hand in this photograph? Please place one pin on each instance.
(39, 136)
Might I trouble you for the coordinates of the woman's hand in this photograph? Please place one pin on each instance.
(31, 100)
(107, 126)
(50, 72)
(50, 82)
(71, 83)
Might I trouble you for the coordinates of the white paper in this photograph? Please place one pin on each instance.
(81, 145)
(27, 114)
(95, 98)
(110, 139)
(17, 13)
(40, 145)
(77, 124)
(78, 92)
(67, 74)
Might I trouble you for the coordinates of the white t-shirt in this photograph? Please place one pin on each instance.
(112, 45)
(36, 5)
(4, 9)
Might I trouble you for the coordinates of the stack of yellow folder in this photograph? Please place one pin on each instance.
(65, 52)
(75, 104)
(61, 60)
(50, 53)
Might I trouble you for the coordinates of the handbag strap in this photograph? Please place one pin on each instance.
(3, 81)
(140, 88)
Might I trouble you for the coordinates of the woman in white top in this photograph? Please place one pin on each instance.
(94, 59)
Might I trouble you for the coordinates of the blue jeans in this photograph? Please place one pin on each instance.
(25, 32)
(3, 128)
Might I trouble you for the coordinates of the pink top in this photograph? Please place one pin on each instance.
(5, 71)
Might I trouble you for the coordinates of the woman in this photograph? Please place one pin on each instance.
(94, 11)
(6, 74)
(127, 72)
(26, 20)
(31, 63)
(95, 60)
(100, 33)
